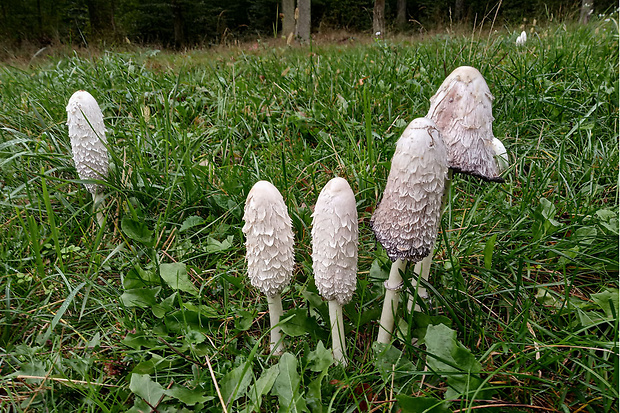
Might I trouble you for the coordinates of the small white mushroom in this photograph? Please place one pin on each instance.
(334, 254)
(522, 39)
(501, 155)
(88, 143)
(269, 250)
(462, 110)
(407, 218)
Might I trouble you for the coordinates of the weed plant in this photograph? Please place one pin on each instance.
(153, 312)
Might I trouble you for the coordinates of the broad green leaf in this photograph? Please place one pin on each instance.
(313, 394)
(262, 386)
(139, 406)
(586, 235)
(137, 231)
(154, 364)
(140, 297)
(187, 396)
(95, 341)
(137, 278)
(142, 385)
(609, 220)
(286, 386)
(138, 340)
(606, 299)
(449, 358)
(589, 318)
(202, 309)
(421, 321)
(320, 359)
(214, 245)
(391, 363)
(421, 405)
(377, 271)
(488, 252)
(165, 306)
(191, 222)
(235, 382)
(298, 323)
(175, 275)
(244, 320)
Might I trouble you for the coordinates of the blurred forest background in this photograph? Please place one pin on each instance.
(183, 23)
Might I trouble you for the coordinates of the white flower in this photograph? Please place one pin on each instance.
(378, 34)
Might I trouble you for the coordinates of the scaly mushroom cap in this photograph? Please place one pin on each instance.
(462, 111)
(87, 133)
(407, 218)
(269, 239)
(334, 242)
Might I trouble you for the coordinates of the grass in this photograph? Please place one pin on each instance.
(154, 311)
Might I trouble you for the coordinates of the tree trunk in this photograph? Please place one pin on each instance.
(303, 20)
(459, 10)
(177, 17)
(586, 11)
(101, 17)
(288, 18)
(378, 18)
(401, 14)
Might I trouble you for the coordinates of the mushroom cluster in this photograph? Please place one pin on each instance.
(88, 143)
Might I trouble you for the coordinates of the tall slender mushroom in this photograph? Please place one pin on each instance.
(334, 254)
(269, 250)
(462, 110)
(407, 218)
(88, 143)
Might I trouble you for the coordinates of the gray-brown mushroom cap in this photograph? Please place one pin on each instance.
(334, 242)
(407, 218)
(269, 239)
(88, 140)
(462, 110)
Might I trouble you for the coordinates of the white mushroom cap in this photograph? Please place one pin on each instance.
(501, 155)
(88, 140)
(269, 239)
(407, 218)
(522, 39)
(461, 108)
(334, 242)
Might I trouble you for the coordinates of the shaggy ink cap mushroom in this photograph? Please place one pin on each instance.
(462, 110)
(406, 220)
(334, 254)
(88, 140)
(335, 241)
(269, 239)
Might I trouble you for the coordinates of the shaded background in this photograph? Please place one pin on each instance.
(208, 22)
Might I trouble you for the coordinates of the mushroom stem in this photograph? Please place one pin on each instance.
(422, 269)
(390, 306)
(97, 198)
(339, 347)
(275, 312)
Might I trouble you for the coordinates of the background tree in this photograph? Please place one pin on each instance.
(303, 20)
(586, 10)
(401, 14)
(288, 18)
(378, 18)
